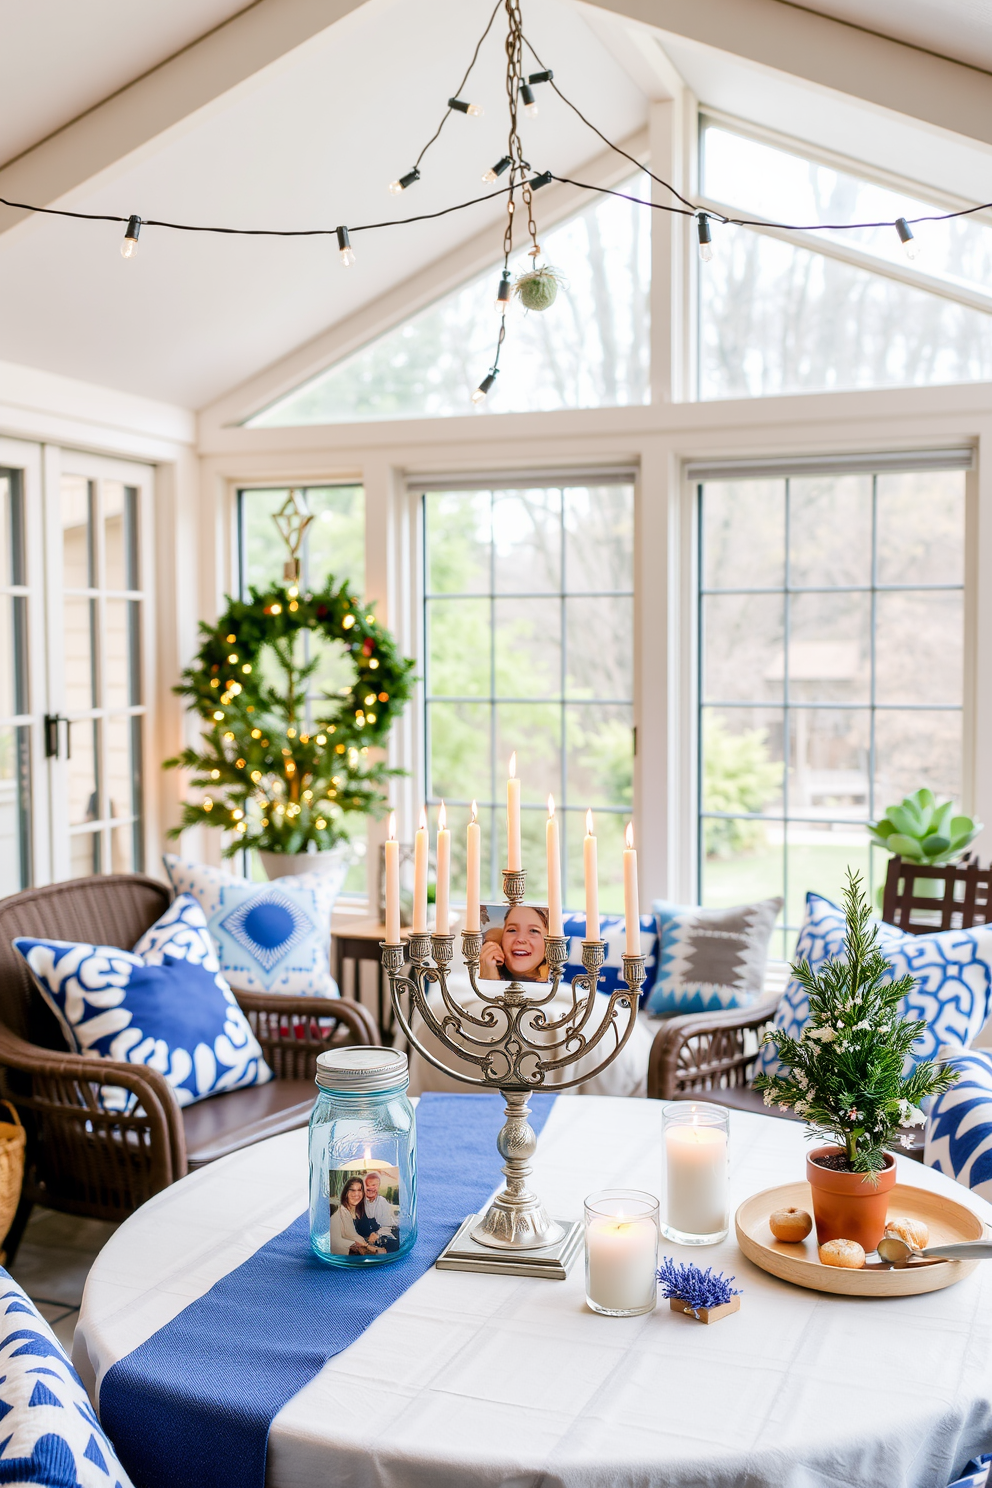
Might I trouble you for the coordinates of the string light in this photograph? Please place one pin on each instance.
(473, 110)
(544, 179)
(705, 237)
(129, 247)
(530, 102)
(910, 246)
(503, 293)
(398, 187)
(541, 77)
(495, 171)
(345, 249)
(479, 396)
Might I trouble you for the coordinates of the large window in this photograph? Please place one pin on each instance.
(831, 620)
(808, 312)
(333, 545)
(15, 722)
(529, 648)
(589, 350)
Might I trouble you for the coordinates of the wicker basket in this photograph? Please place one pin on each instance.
(12, 1138)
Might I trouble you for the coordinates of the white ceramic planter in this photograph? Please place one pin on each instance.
(283, 865)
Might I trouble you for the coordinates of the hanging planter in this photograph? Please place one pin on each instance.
(538, 289)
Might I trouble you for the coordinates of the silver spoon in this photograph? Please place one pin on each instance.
(897, 1252)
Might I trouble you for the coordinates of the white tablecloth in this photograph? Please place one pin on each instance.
(486, 1380)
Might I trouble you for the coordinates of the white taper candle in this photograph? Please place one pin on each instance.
(441, 916)
(591, 866)
(392, 884)
(513, 862)
(473, 871)
(631, 904)
(555, 923)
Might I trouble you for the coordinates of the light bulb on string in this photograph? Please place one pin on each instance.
(495, 171)
(541, 77)
(474, 110)
(129, 247)
(344, 247)
(479, 396)
(530, 102)
(705, 237)
(503, 293)
(398, 187)
(910, 245)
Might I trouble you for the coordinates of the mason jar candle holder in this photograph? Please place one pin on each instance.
(621, 1232)
(695, 1146)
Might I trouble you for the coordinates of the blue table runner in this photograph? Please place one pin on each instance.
(191, 1407)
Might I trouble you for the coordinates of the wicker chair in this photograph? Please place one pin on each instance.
(712, 1055)
(82, 1159)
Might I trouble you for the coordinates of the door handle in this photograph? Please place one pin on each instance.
(52, 721)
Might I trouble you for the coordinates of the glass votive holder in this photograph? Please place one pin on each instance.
(695, 1144)
(621, 1251)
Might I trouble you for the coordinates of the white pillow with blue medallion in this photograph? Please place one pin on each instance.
(958, 1138)
(165, 1005)
(612, 929)
(49, 1433)
(272, 937)
(953, 970)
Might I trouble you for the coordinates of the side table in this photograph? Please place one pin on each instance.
(357, 943)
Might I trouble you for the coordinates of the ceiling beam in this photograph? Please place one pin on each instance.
(162, 97)
(832, 54)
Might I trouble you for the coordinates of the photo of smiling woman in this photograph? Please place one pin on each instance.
(513, 944)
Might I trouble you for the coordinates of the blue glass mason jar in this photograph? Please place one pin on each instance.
(363, 1158)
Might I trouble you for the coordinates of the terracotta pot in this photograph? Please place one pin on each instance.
(848, 1206)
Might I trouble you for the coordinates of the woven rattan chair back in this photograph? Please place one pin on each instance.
(920, 899)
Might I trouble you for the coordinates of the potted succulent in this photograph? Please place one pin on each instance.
(846, 1077)
(923, 832)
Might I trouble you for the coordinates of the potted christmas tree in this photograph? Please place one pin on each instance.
(846, 1077)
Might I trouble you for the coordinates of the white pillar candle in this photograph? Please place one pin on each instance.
(555, 923)
(622, 1263)
(420, 848)
(392, 884)
(473, 871)
(697, 1179)
(590, 864)
(631, 905)
(441, 916)
(513, 862)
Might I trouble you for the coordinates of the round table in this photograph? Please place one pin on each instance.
(491, 1380)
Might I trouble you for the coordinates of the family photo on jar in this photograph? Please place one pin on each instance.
(364, 1210)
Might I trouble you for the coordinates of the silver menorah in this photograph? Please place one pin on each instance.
(514, 1046)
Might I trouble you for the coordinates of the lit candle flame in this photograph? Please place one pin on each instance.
(551, 805)
(589, 831)
(475, 812)
(628, 836)
(513, 765)
(423, 818)
(391, 834)
(442, 817)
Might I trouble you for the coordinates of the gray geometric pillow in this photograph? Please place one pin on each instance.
(710, 959)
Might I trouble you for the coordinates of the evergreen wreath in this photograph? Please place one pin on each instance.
(271, 780)
(844, 1074)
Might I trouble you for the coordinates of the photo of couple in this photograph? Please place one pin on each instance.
(364, 1210)
(513, 943)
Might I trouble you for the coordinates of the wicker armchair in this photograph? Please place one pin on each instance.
(712, 1055)
(82, 1159)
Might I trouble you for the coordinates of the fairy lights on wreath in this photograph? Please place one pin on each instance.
(536, 289)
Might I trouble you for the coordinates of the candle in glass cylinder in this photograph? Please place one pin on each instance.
(590, 864)
(473, 872)
(621, 1231)
(392, 884)
(420, 849)
(696, 1157)
(631, 905)
(555, 922)
(441, 916)
(513, 861)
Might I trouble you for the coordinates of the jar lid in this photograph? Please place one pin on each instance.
(357, 1069)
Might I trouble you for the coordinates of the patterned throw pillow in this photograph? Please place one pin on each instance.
(165, 1004)
(49, 1433)
(710, 959)
(613, 930)
(958, 1138)
(953, 970)
(273, 937)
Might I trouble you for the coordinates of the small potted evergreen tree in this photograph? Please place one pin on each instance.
(845, 1077)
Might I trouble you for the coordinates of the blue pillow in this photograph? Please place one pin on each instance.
(953, 968)
(49, 1433)
(709, 959)
(165, 1004)
(612, 929)
(958, 1139)
(273, 937)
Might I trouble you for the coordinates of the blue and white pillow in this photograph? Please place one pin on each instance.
(953, 969)
(165, 1005)
(710, 959)
(958, 1137)
(273, 937)
(49, 1433)
(612, 929)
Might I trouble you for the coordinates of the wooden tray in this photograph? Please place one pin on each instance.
(800, 1263)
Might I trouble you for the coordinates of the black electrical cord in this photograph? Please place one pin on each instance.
(457, 93)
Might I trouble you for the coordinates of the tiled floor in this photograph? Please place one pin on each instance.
(52, 1264)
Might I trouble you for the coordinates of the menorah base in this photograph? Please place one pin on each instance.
(550, 1261)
